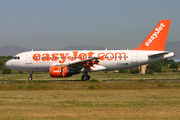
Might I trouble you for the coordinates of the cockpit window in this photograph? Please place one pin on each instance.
(16, 58)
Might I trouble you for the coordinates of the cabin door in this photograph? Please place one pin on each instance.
(135, 57)
(28, 58)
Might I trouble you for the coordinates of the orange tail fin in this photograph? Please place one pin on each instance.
(156, 40)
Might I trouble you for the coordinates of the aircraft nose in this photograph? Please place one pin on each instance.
(8, 64)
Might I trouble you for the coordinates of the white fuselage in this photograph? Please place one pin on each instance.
(110, 59)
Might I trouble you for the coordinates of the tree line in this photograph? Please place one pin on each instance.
(3, 60)
(156, 67)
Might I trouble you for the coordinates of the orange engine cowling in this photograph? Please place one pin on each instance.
(59, 71)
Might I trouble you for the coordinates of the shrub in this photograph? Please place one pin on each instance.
(160, 85)
(30, 86)
(141, 80)
(174, 65)
(167, 61)
(134, 71)
(149, 72)
(156, 67)
(9, 57)
(43, 87)
(20, 72)
(6, 71)
(175, 71)
(20, 87)
(1, 65)
(91, 87)
(123, 71)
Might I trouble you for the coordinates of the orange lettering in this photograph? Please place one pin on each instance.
(120, 55)
(63, 57)
(109, 57)
(74, 56)
(54, 57)
(82, 56)
(45, 57)
(36, 57)
(101, 56)
(90, 54)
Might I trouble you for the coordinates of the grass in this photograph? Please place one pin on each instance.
(131, 98)
(94, 76)
(90, 104)
(86, 85)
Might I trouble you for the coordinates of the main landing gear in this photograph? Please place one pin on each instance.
(30, 75)
(85, 77)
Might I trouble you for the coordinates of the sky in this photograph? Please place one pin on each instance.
(55, 24)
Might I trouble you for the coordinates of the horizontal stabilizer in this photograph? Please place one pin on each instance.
(158, 54)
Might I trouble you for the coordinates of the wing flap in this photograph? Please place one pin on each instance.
(88, 64)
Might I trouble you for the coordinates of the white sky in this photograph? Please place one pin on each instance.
(54, 24)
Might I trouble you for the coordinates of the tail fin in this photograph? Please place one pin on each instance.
(156, 40)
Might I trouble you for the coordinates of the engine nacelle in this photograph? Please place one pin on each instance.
(59, 71)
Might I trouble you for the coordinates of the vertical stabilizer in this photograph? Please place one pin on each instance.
(156, 40)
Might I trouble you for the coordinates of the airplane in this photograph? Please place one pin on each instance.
(67, 63)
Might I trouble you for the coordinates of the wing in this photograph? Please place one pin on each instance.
(87, 65)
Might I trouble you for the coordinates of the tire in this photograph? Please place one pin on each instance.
(85, 77)
(88, 77)
(29, 78)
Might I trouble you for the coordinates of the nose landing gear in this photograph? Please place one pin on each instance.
(30, 76)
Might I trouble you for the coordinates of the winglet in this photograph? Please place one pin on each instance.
(156, 40)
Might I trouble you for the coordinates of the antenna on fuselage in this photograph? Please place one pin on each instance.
(32, 50)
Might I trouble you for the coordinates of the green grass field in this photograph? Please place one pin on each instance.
(94, 75)
(130, 98)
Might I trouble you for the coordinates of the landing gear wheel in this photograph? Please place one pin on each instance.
(30, 75)
(88, 77)
(85, 77)
(29, 78)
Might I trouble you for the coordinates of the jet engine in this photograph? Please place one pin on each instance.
(60, 71)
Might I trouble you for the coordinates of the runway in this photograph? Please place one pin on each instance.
(140, 80)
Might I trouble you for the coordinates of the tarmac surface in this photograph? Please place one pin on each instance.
(149, 80)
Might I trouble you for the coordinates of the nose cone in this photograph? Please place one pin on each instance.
(8, 64)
